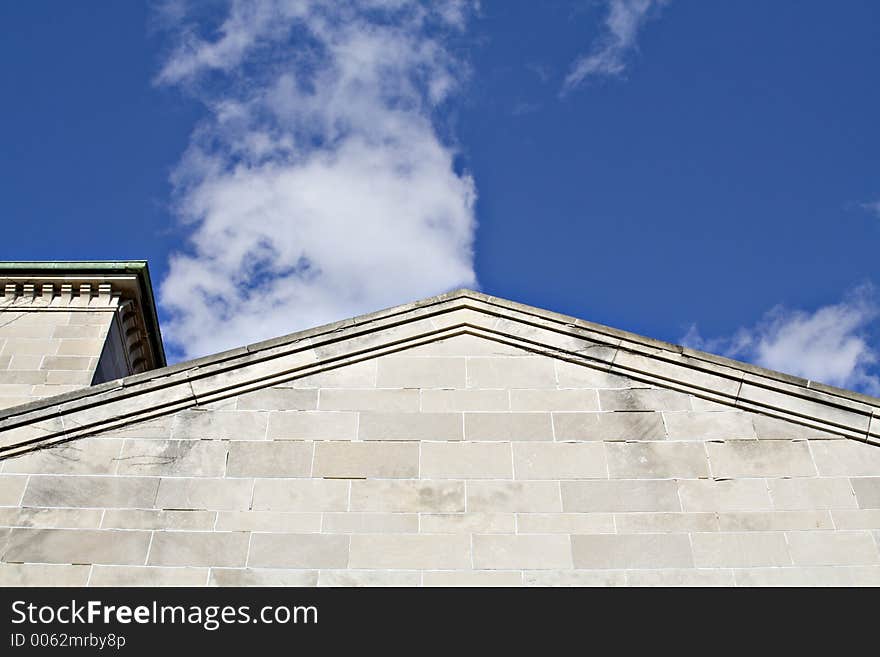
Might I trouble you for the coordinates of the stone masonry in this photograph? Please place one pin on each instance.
(461, 460)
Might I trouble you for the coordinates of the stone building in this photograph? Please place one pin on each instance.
(458, 440)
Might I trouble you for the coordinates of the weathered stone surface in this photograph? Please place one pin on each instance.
(298, 551)
(660, 460)
(278, 399)
(846, 458)
(632, 551)
(147, 576)
(729, 495)
(508, 426)
(199, 549)
(641, 399)
(300, 495)
(30, 574)
(559, 461)
(467, 523)
(402, 372)
(262, 577)
(867, 491)
(91, 492)
(385, 460)
(213, 494)
(832, 548)
(504, 552)
(527, 497)
(410, 426)
(620, 495)
(553, 400)
(740, 550)
(527, 372)
(408, 496)
(76, 546)
(466, 461)
(701, 425)
(750, 458)
(812, 493)
(308, 425)
(390, 401)
(447, 401)
(183, 458)
(424, 551)
(223, 425)
(609, 426)
(270, 458)
(371, 523)
(86, 456)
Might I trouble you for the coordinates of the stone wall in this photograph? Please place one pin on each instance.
(460, 462)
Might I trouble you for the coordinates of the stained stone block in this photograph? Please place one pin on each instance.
(278, 399)
(730, 495)
(464, 345)
(298, 551)
(856, 518)
(213, 494)
(592, 578)
(680, 577)
(632, 551)
(709, 425)
(199, 549)
(386, 460)
(224, 425)
(310, 425)
(410, 426)
(832, 548)
(11, 489)
(620, 496)
(151, 519)
(402, 372)
(268, 521)
(350, 578)
(740, 550)
(517, 496)
(444, 401)
(504, 552)
(29, 574)
(560, 461)
(641, 399)
(370, 523)
(525, 372)
(391, 401)
(572, 375)
(354, 375)
(659, 523)
(50, 518)
(609, 426)
(657, 460)
(402, 551)
(750, 458)
(466, 460)
(846, 458)
(478, 578)
(553, 400)
(262, 577)
(565, 523)
(77, 546)
(270, 458)
(867, 491)
(774, 521)
(90, 492)
(810, 576)
(408, 496)
(147, 576)
(300, 495)
(179, 458)
(812, 493)
(467, 523)
(508, 426)
(769, 428)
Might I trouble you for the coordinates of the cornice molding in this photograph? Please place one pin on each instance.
(202, 381)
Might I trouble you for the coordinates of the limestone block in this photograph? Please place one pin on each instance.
(354, 375)
(82, 456)
(298, 551)
(728, 495)
(310, 425)
(867, 491)
(565, 523)
(69, 363)
(179, 458)
(224, 425)
(444, 401)
(348, 578)
(856, 518)
(33, 346)
(30, 574)
(402, 372)
(386, 460)
(812, 493)
(553, 400)
(751, 458)
(641, 399)
(537, 551)
(390, 401)
(370, 523)
(50, 518)
(410, 426)
(740, 550)
(631, 551)
(278, 399)
(147, 576)
(832, 548)
(199, 549)
(402, 551)
(560, 461)
(466, 460)
(620, 495)
(152, 519)
(209, 494)
(516, 496)
(810, 576)
(508, 426)
(658, 523)
(467, 523)
(572, 375)
(770, 428)
(591, 578)
(300, 495)
(90, 492)
(77, 546)
(681, 577)
(478, 578)
(774, 521)
(709, 425)
(77, 331)
(11, 489)
(408, 496)
(657, 460)
(609, 426)
(262, 577)
(79, 347)
(268, 521)
(464, 344)
(846, 458)
(525, 372)
(269, 458)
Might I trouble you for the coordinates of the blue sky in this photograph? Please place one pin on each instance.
(697, 171)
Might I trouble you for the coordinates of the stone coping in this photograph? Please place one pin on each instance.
(204, 380)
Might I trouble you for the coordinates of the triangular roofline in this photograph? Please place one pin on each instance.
(204, 380)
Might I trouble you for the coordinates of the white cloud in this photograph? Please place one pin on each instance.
(873, 207)
(608, 55)
(828, 345)
(317, 187)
